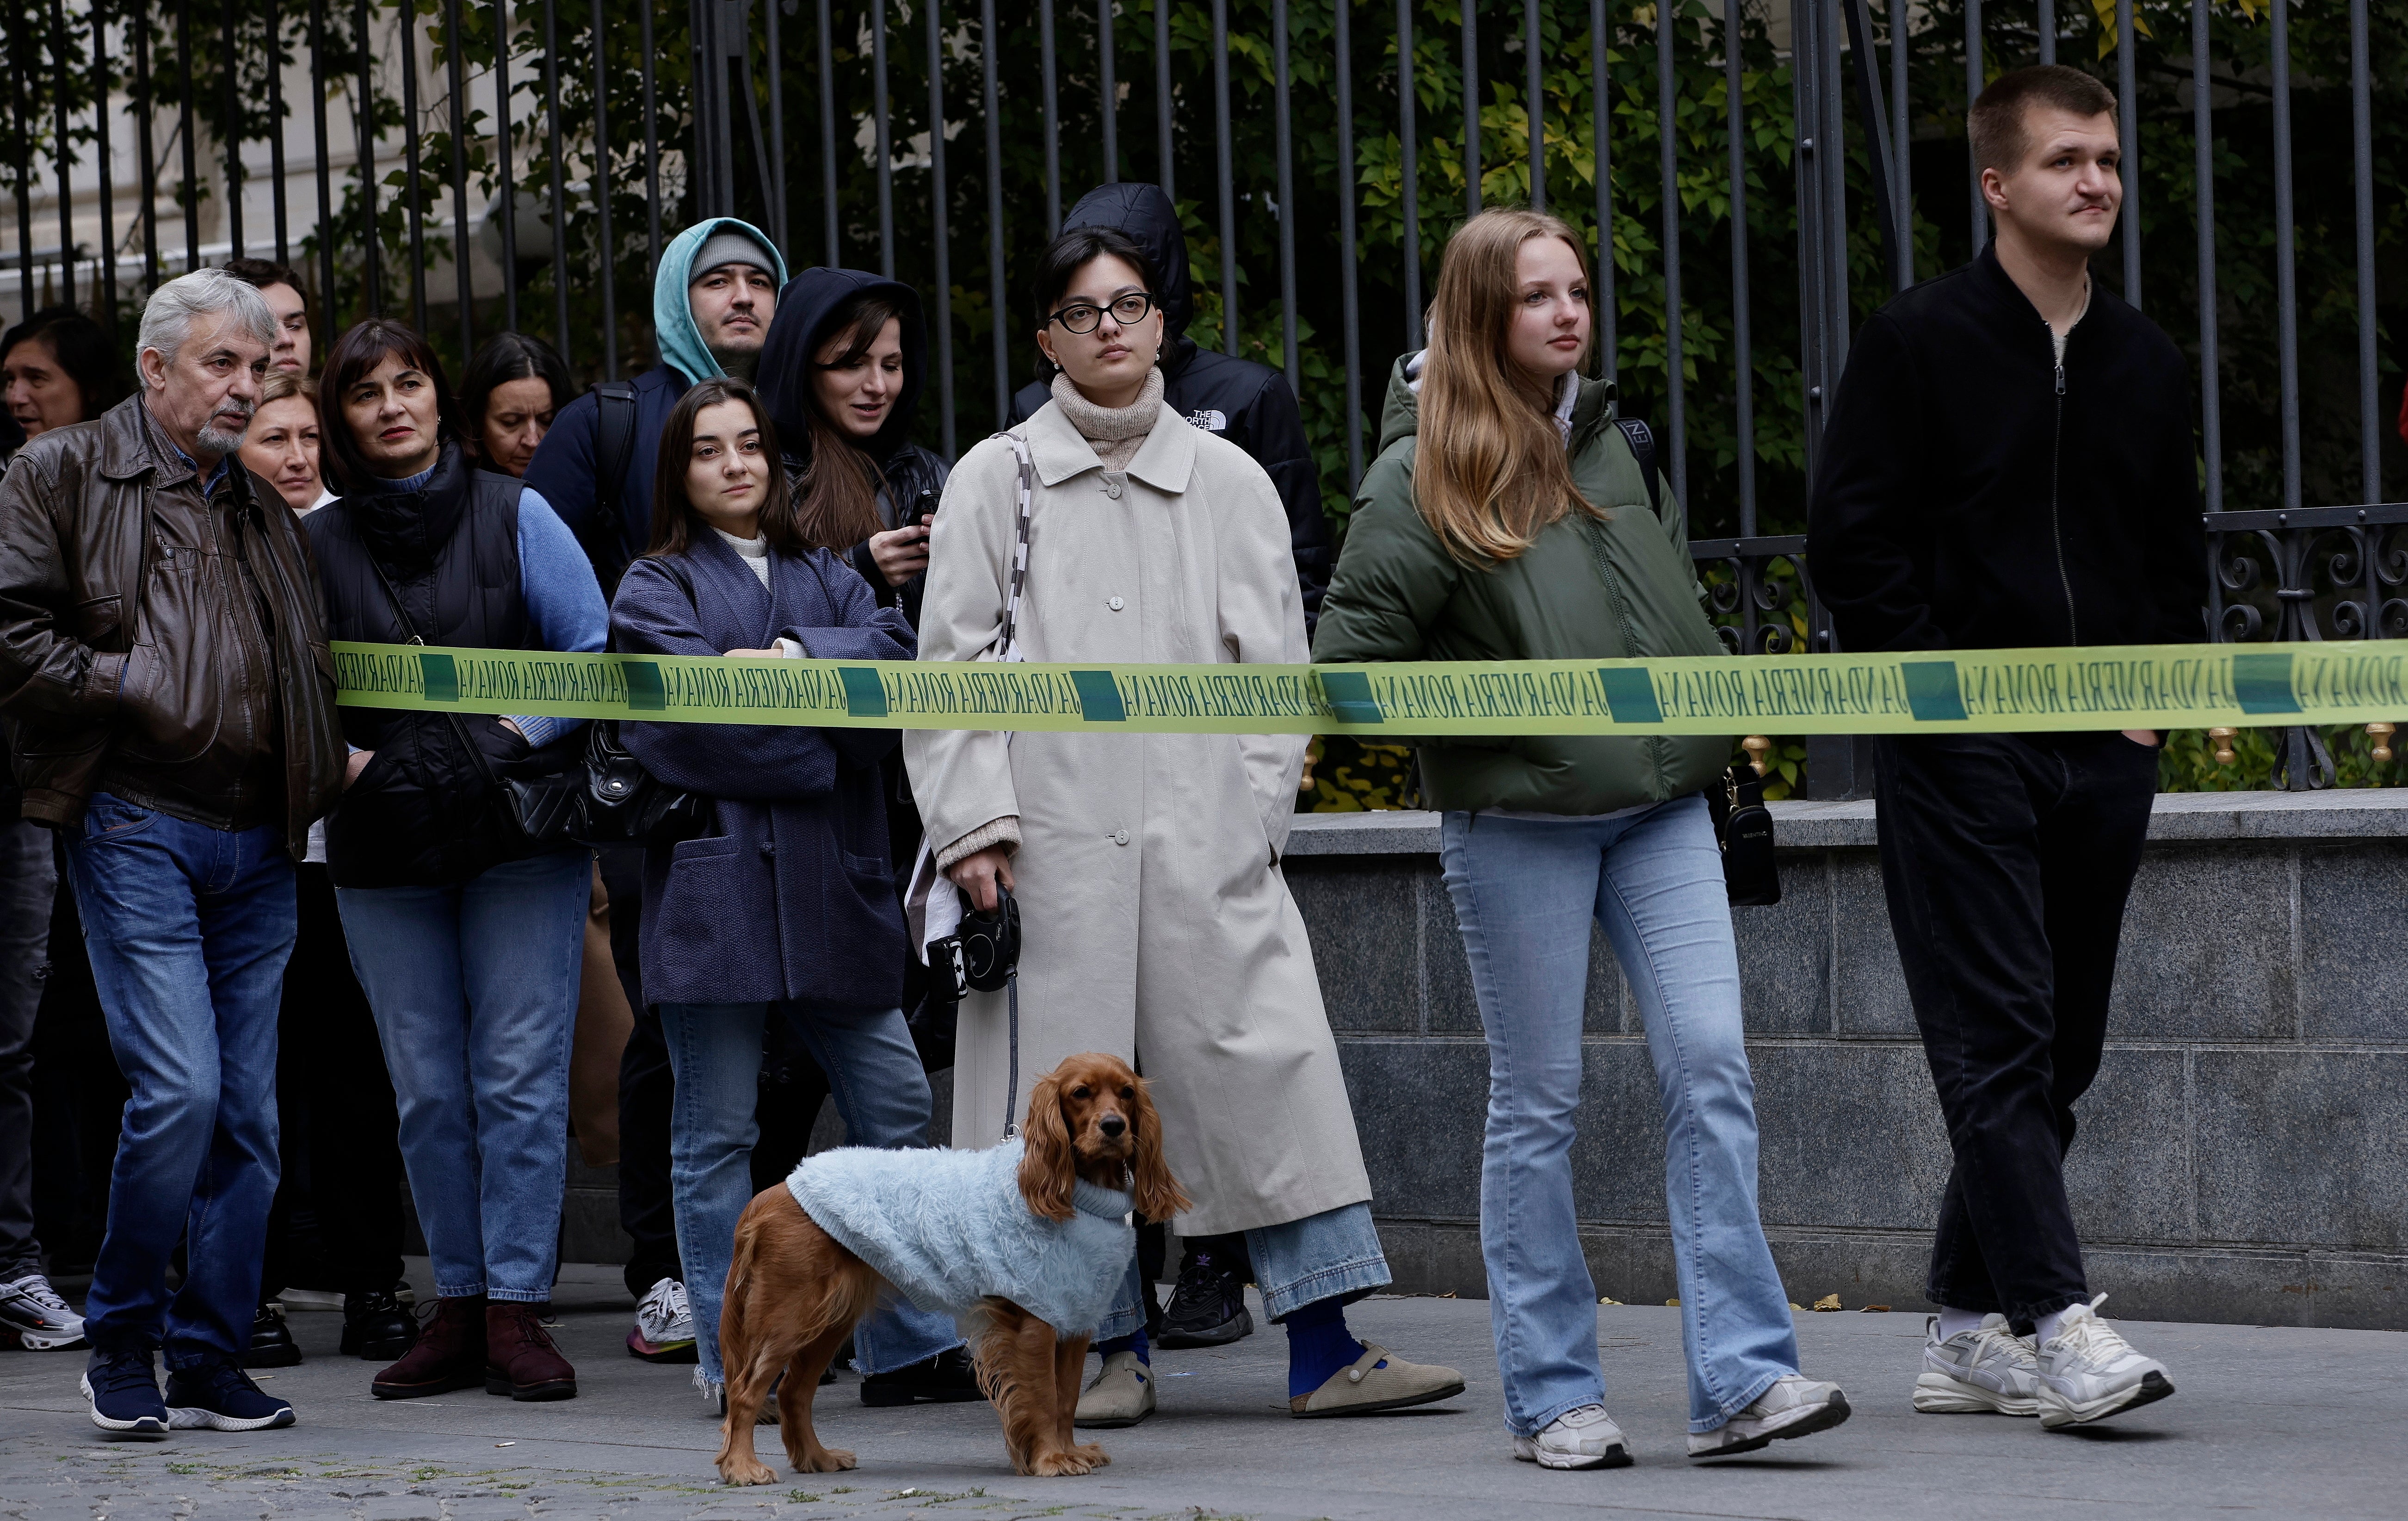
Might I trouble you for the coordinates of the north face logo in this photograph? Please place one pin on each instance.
(1211, 422)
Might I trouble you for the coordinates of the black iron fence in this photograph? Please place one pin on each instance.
(1755, 177)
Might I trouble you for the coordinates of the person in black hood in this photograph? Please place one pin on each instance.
(2010, 463)
(1246, 403)
(1250, 406)
(840, 377)
(841, 374)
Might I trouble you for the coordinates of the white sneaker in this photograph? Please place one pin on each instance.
(1986, 1369)
(664, 1331)
(1795, 1406)
(1585, 1438)
(2089, 1371)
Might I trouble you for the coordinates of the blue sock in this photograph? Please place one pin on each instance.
(1134, 1342)
(1318, 1346)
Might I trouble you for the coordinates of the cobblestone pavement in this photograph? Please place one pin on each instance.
(2281, 1421)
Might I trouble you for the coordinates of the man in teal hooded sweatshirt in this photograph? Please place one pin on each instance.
(712, 299)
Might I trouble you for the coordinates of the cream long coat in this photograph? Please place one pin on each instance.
(1157, 923)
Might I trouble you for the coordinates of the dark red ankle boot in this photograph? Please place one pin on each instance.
(520, 1359)
(449, 1353)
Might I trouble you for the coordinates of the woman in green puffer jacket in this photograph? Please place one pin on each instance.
(1527, 533)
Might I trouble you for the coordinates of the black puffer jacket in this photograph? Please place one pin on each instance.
(1974, 494)
(1246, 403)
(909, 471)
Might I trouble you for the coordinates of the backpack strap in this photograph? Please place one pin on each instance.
(614, 452)
(1642, 439)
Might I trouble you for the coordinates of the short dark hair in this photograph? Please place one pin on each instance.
(675, 523)
(1068, 254)
(262, 273)
(1996, 122)
(356, 354)
(507, 357)
(82, 349)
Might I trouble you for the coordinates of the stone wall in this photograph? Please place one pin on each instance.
(2244, 1155)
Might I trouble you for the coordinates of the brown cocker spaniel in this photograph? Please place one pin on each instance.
(794, 1292)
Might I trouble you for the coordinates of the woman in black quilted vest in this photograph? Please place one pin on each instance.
(466, 932)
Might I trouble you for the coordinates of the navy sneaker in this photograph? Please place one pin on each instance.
(123, 1392)
(221, 1397)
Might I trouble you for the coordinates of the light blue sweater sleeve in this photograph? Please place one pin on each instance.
(563, 600)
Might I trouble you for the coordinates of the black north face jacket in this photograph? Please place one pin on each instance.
(1246, 403)
(1975, 494)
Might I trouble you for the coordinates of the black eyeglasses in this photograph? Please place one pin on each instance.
(1081, 317)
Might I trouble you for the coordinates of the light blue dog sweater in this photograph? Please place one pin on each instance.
(950, 1227)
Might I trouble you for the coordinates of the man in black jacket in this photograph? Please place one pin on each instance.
(2010, 463)
(1250, 406)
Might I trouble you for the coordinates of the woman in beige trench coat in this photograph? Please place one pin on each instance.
(1155, 922)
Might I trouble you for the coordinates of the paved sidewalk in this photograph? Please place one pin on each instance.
(2279, 1421)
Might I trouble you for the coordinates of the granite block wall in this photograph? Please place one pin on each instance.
(2244, 1155)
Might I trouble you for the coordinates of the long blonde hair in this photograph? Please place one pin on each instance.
(1489, 469)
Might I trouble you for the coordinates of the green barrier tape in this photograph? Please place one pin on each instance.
(1965, 691)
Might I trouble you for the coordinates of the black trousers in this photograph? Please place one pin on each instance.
(646, 1091)
(2007, 859)
(336, 1223)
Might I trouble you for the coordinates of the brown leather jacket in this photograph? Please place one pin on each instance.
(135, 658)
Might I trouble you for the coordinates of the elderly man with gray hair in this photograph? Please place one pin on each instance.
(171, 702)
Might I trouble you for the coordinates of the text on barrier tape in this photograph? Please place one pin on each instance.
(1962, 691)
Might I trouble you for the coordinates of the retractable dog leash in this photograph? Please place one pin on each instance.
(1011, 1091)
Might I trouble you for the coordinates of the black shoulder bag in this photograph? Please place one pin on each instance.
(617, 802)
(1742, 824)
(536, 808)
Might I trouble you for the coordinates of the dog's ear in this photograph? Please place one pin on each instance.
(1048, 1169)
(1158, 1196)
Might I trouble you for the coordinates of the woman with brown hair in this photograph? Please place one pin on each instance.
(1526, 531)
(783, 919)
(464, 931)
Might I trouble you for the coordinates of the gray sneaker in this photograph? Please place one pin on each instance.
(32, 1312)
(1989, 1368)
(1795, 1406)
(2089, 1371)
(1585, 1438)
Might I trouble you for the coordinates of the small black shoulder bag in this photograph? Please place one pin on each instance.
(1742, 824)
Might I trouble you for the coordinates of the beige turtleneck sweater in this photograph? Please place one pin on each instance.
(1114, 432)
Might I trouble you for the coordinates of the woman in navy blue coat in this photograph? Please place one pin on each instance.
(786, 910)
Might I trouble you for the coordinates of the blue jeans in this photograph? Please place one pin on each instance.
(880, 1088)
(188, 928)
(1524, 893)
(1333, 1255)
(474, 989)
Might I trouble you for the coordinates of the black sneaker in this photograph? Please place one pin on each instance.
(122, 1388)
(221, 1397)
(271, 1340)
(1208, 1305)
(376, 1328)
(944, 1379)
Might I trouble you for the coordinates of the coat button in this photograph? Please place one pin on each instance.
(769, 847)
(1112, 490)
(1114, 603)
(1120, 837)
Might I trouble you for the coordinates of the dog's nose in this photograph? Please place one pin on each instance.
(1112, 1125)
